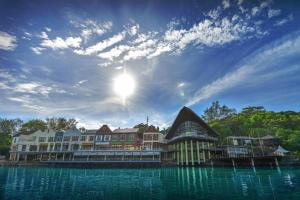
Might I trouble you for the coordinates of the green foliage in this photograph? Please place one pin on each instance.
(9, 126)
(34, 125)
(61, 123)
(258, 122)
(216, 111)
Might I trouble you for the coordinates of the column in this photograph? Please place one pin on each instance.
(63, 156)
(181, 152)
(49, 156)
(186, 153)
(203, 152)
(25, 157)
(198, 152)
(18, 157)
(177, 151)
(192, 152)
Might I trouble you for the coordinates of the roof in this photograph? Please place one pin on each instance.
(89, 132)
(186, 114)
(72, 131)
(268, 137)
(280, 149)
(104, 129)
(241, 137)
(126, 130)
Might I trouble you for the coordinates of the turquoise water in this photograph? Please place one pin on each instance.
(147, 183)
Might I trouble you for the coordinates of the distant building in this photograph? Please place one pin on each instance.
(127, 138)
(152, 140)
(190, 140)
(103, 138)
(87, 140)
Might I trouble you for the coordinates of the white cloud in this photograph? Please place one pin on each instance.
(114, 52)
(240, 2)
(37, 50)
(221, 84)
(59, 43)
(273, 13)
(48, 29)
(33, 88)
(226, 4)
(80, 83)
(181, 84)
(100, 46)
(7, 41)
(252, 69)
(284, 21)
(91, 27)
(215, 14)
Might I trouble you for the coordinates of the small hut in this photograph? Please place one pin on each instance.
(280, 151)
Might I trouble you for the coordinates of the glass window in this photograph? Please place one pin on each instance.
(23, 147)
(51, 139)
(83, 138)
(67, 138)
(75, 138)
(91, 138)
(106, 138)
(189, 128)
(42, 139)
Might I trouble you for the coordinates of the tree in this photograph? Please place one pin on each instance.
(216, 111)
(61, 123)
(34, 125)
(10, 126)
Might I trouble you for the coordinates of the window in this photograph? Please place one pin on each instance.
(65, 147)
(189, 128)
(123, 136)
(115, 137)
(42, 139)
(23, 147)
(131, 137)
(99, 138)
(83, 138)
(155, 137)
(75, 138)
(106, 138)
(51, 139)
(67, 138)
(148, 137)
(15, 140)
(91, 138)
(32, 148)
(58, 139)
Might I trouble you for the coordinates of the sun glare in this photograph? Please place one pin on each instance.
(124, 86)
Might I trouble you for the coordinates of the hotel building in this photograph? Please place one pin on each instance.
(189, 141)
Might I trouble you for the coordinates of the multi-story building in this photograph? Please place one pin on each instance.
(103, 138)
(127, 138)
(189, 141)
(152, 140)
(87, 140)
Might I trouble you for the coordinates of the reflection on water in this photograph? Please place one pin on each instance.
(164, 183)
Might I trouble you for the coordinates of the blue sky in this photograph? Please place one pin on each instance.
(60, 58)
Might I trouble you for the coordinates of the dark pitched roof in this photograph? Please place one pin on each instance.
(104, 129)
(186, 114)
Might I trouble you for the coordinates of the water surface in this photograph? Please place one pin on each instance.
(147, 183)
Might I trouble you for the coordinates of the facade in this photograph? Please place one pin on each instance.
(190, 141)
(87, 140)
(103, 138)
(152, 140)
(127, 138)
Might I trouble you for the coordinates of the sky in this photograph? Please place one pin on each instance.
(61, 58)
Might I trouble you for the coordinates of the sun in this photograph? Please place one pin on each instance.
(124, 86)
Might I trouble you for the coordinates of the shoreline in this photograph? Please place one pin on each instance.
(138, 165)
